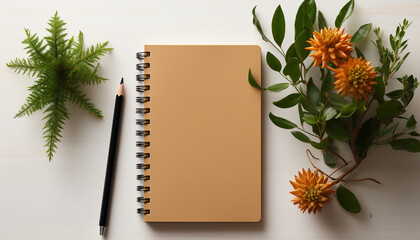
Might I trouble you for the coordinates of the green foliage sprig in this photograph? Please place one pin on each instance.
(326, 115)
(61, 66)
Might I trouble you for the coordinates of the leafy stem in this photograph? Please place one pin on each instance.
(61, 66)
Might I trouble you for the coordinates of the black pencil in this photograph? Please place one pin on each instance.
(111, 158)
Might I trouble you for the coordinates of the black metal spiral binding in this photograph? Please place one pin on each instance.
(142, 77)
(143, 177)
(142, 99)
(143, 155)
(142, 66)
(143, 189)
(143, 110)
(143, 121)
(142, 144)
(142, 88)
(142, 55)
(143, 200)
(142, 133)
(143, 211)
(143, 166)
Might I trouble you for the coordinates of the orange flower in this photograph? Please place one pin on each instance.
(330, 45)
(311, 191)
(355, 77)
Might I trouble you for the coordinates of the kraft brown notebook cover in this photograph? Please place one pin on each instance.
(203, 125)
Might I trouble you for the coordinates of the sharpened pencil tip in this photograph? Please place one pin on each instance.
(122, 81)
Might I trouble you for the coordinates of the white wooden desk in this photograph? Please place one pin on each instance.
(61, 199)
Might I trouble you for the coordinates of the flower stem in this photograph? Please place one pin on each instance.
(362, 179)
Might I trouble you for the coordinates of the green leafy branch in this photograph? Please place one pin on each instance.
(61, 65)
(329, 116)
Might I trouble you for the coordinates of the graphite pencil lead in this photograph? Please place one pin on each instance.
(122, 81)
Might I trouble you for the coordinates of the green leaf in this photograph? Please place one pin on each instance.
(281, 122)
(348, 110)
(278, 87)
(414, 134)
(301, 43)
(278, 26)
(288, 101)
(388, 110)
(408, 144)
(301, 113)
(410, 84)
(310, 119)
(361, 33)
(359, 53)
(411, 123)
(291, 53)
(337, 101)
(321, 145)
(292, 69)
(309, 105)
(56, 40)
(352, 107)
(26, 66)
(330, 159)
(329, 113)
(60, 66)
(311, 10)
(305, 17)
(313, 92)
(365, 137)
(315, 129)
(252, 81)
(327, 84)
(379, 89)
(387, 131)
(344, 13)
(399, 64)
(337, 129)
(79, 98)
(273, 62)
(322, 23)
(257, 24)
(300, 136)
(348, 200)
(395, 94)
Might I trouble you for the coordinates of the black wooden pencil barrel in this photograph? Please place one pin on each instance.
(111, 161)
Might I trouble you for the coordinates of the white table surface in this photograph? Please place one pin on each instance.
(61, 199)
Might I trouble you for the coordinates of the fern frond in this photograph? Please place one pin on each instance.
(60, 65)
(78, 97)
(78, 47)
(56, 41)
(34, 102)
(56, 114)
(94, 78)
(26, 66)
(35, 48)
(92, 54)
(85, 75)
(37, 99)
(69, 45)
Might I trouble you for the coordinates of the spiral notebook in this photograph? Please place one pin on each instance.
(199, 133)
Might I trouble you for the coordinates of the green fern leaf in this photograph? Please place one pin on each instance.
(79, 98)
(56, 114)
(56, 41)
(92, 54)
(60, 65)
(35, 48)
(22, 65)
